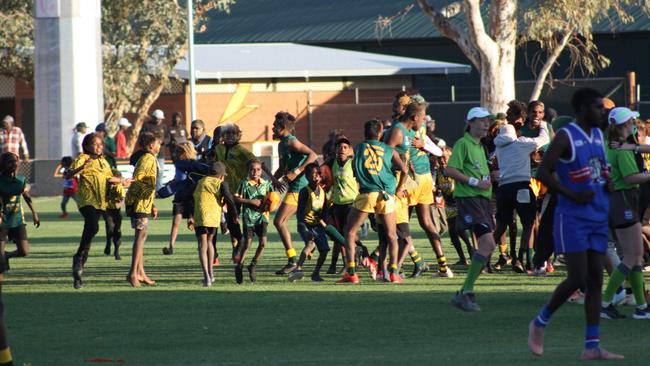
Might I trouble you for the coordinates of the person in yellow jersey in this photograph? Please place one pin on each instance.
(294, 158)
(113, 217)
(422, 196)
(140, 206)
(208, 202)
(312, 211)
(94, 174)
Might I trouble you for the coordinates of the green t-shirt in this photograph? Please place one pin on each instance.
(235, 158)
(372, 167)
(11, 189)
(526, 131)
(403, 149)
(623, 164)
(469, 158)
(291, 160)
(250, 190)
(109, 145)
(419, 158)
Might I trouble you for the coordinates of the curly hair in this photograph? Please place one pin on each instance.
(285, 120)
(86, 144)
(516, 110)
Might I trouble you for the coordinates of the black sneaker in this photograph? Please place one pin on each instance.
(610, 313)
(296, 275)
(331, 270)
(168, 251)
(239, 276)
(517, 267)
(501, 262)
(465, 301)
(77, 283)
(251, 272)
(315, 277)
(417, 272)
(288, 268)
(77, 267)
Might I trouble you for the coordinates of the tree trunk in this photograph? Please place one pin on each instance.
(498, 81)
(143, 113)
(548, 65)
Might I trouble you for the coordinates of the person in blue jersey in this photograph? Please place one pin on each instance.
(575, 166)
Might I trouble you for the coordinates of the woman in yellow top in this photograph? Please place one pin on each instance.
(139, 204)
(94, 174)
(208, 200)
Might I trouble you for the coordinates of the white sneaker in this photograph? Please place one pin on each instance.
(448, 273)
(539, 272)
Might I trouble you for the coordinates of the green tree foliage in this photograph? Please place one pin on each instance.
(16, 39)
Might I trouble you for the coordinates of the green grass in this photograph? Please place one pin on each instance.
(272, 322)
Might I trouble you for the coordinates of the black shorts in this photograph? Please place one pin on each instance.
(516, 196)
(15, 234)
(205, 230)
(340, 214)
(258, 229)
(474, 211)
(623, 208)
(403, 231)
(183, 208)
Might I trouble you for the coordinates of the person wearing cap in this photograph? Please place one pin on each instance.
(120, 139)
(468, 166)
(158, 127)
(12, 139)
(514, 192)
(575, 166)
(80, 131)
(624, 217)
(110, 149)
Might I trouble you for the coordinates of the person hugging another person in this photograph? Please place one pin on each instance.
(312, 211)
(140, 206)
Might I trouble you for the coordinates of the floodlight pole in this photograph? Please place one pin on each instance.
(190, 56)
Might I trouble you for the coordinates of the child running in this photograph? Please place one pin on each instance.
(251, 194)
(94, 174)
(70, 187)
(12, 187)
(140, 204)
(624, 216)
(575, 166)
(312, 210)
(209, 198)
(113, 217)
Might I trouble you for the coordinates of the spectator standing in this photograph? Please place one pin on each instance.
(120, 139)
(80, 131)
(329, 148)
(200, 139)
(177, 133)
(157, 127)
(12, 139)
(110, 150)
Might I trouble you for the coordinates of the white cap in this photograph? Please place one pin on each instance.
(478, 112)
(158, 114)
(620, 115)
(124, 122)
(8, 118)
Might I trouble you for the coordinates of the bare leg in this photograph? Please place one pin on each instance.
(138, 242)
(176, 222)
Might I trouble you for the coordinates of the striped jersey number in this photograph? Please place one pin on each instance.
(374, 159)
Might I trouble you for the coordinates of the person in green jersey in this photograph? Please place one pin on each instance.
(251, 194)
(12, 187)
(624, 217)
(294, 158)
(469, 168)
(373, 162)
(421, 197)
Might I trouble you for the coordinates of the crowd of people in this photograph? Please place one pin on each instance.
(579, 185)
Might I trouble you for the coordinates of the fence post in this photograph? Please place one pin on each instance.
(453, 94)
(356, 95)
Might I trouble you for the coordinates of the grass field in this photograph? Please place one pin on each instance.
(273, 322)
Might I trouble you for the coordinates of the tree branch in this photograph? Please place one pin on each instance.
(550, 62)
(484, 44)
(440, 20)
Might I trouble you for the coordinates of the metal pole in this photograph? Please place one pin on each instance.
(190, 57)
(453, 94)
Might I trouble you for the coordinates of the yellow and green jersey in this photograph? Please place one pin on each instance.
(208, 202)
(11, 189)
(251, 190)
(92, 181)
(291, 160)
(345, 187)
(311, 206)
(372, 166)
(235, 158)
(419, 158)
